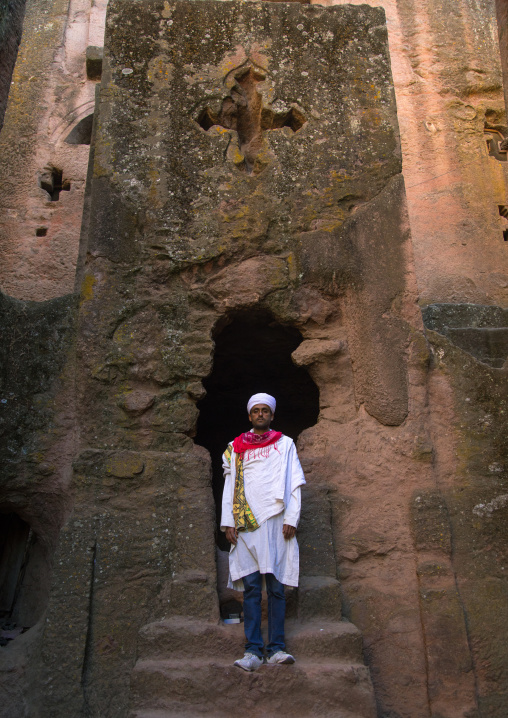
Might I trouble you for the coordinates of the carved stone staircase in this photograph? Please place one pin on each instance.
(185, 668)
(185, 665)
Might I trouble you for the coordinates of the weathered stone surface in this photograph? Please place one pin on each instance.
(440, 317)
(444, 101)
(430, 523)
(332, 681)
(181, 235)
(11, 23)
(191, 223)
(471, 454)
(378, 334)
(37, 443)
(124, 465)
(342, 689)
(48, 97)
(313, 350)
(137, 402)
(482, 331)
(317, 557)
(216, 221)
(135, 548)
(36, 340)
(454, 187)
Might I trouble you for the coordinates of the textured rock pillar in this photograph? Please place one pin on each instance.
(246, 158)
(11, 22)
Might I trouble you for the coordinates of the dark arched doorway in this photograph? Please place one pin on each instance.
(81, 134)
(252, 354)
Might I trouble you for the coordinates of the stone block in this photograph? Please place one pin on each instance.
(319, 596)
(487, 344)
(315, 539)
(481, 331)
(430, 522)
(440, 317)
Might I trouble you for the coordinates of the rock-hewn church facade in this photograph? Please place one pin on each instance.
(201, 199)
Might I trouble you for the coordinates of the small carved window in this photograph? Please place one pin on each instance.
(503, 212)
(497, 141)
(52, 181)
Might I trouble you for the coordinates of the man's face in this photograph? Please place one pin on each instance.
(260, 417)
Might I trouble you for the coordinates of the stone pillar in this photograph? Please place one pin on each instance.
(246, 158)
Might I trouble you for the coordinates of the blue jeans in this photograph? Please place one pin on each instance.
(252, 614)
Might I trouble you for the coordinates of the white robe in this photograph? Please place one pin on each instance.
(272, 490)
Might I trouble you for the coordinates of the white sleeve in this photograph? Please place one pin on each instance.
(292, 512)
(295, 479)
(227, 518)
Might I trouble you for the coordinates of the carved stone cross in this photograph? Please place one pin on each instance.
(243, 111)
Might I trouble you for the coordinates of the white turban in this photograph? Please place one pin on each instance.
(261, 399)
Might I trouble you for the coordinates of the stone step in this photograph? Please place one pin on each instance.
(185, 637)
(196, 686)
(335, 639)
(209, 712)
(316, 597)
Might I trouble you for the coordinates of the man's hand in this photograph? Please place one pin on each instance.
(287, 531)
(231, 534)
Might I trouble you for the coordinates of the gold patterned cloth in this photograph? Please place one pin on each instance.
(242, 512)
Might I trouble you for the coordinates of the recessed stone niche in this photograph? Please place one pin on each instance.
(252, 353)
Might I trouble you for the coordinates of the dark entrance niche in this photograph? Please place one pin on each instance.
(15, 540)
(252, 354)
(25, 573)
(81, 134)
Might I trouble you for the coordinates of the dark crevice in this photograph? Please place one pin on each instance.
(16, 543)
(14, 539)
(89, 647)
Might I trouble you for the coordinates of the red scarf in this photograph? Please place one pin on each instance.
(249, 441)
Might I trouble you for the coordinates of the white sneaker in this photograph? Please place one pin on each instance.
(280, 657)
(250, 662)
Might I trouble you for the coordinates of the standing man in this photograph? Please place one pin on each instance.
(260, 513)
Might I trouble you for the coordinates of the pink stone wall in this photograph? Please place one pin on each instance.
(447, 75)
(50, 94)
(393, 560)
(502, 26)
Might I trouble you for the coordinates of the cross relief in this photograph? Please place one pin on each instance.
(243, 112)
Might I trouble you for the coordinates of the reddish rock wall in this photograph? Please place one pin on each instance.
(37, 444)
(447, 74)
(448, 83)
(50, 95)
(11, 26)
(409, 452)
(189, 224)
